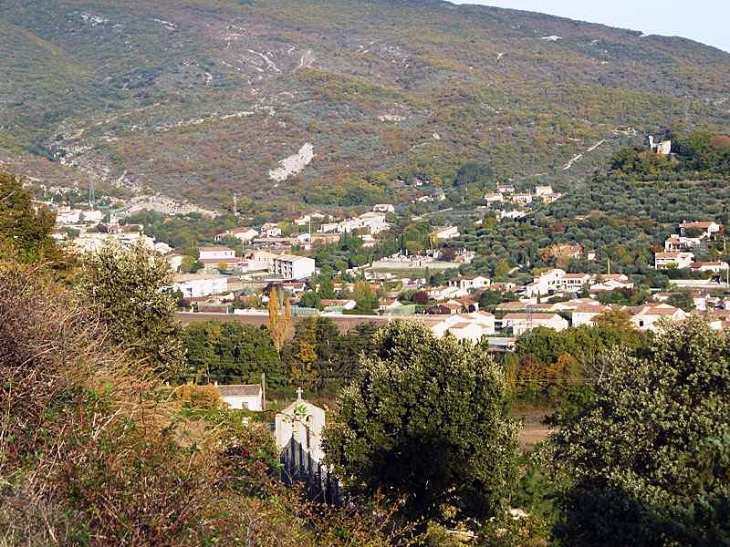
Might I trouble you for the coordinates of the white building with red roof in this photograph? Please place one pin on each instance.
(648, 316)
(520, 323)
(714, 267)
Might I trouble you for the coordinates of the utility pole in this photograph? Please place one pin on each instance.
(263, 391)
(235, 205)
(92, 196)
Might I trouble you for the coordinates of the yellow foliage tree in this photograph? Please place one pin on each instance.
(280, 320)
(195, 396)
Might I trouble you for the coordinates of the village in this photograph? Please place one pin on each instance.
(233, 279)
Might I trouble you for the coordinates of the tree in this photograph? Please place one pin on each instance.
(489, 300)
(128, 290)
(189, 264)
(420, 297)
(279, 321)
(311, 299)
(365, 297)
(229, 352)
(471, 173)
(647, 462)
(501, 270)
(425, 421)
(23, 227)
(682, 300)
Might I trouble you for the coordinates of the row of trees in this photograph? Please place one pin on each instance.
(316, 356)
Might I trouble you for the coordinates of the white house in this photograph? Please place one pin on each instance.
(244, 235)
(714, 267)
(708, 228)
(662, 148)
(66, 216)
(448, 232)
(373, 221)
(466, 326)
(216, 253)
(610, 282)
(293, 267)
(91, 216)
(270, 229)
(573, 282)
(551, 198)
(493, 198)
(341, 303)
(306, 219)
(244, 396)
(646, 317)
(674, 259)
(522, 199)
(681, 243)
(545, 283)
(586, 313)
(506, 189)
(543, 190)
(383, 208)
(520, 323)
(196, 286)
(512, 215)
(468, 283)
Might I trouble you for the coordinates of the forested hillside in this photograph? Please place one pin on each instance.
(200, 98)
(626, 221)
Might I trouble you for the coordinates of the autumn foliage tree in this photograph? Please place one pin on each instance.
(280, 319)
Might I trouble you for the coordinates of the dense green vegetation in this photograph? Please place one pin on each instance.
(647, 461)
(699, 154)
(624, 221)
(425, 423)
(23, 228)
(317, 357)
(559, 369)
(128, 291)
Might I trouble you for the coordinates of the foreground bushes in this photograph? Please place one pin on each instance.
(95, 450)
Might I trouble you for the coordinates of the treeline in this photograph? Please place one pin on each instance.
(317, 357)
(552, 369)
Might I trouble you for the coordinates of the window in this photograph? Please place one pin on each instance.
(307, 425)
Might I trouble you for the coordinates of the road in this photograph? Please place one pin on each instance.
(698, 284)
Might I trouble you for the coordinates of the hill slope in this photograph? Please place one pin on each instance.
(200, 98)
